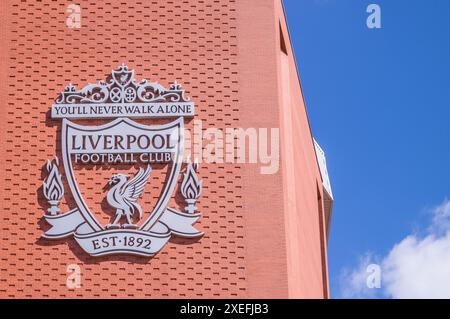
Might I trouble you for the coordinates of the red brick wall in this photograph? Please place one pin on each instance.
(190, 41)
(305, 231)
(225, 53)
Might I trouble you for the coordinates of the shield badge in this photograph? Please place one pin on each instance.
(134, 228)
(122, 77)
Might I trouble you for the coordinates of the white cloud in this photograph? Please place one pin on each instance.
(416, 267)
(441, 219)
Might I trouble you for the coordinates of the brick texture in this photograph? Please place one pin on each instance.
(194, 42)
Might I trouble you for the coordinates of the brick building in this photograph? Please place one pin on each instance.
(265, 235)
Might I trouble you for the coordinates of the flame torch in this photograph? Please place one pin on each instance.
(191, 187)
(53, 187)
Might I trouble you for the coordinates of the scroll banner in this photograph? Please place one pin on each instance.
(126, 241)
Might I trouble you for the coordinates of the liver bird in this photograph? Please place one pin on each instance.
(124, 194)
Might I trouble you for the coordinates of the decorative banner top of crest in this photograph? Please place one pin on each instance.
(121, 96)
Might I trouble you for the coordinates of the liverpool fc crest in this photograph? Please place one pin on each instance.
(128, 154)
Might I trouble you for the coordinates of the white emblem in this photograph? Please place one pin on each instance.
(117, 143)
(124, 194)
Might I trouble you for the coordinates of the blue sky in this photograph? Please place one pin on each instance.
(379, 105)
